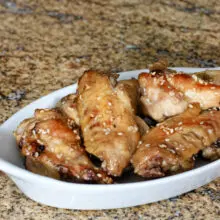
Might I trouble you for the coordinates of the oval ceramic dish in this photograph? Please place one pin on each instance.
(130, 191)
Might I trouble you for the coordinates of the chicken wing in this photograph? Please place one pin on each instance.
(107, 120)
(210, 76)
(53, 149)
(170, 147)
(158, 98)
(212, 152)
(131, 87)
(166, 95)
(67, 105)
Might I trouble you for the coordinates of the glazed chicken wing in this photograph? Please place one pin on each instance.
(53, 149)
(210, 76)
(107, 120)
(158, 98)
(170, 147)
(131, 88)
(166, 95)
(67, 105)
(212, 152)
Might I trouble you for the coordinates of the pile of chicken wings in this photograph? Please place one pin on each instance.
(154, 126)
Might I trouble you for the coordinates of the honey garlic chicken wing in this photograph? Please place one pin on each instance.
(131, 88)
(158, 98)
(170, 147)
(67, 105)
(165, 95)
(53, 149)
(212, 152)
(107, 120)
(210, 76)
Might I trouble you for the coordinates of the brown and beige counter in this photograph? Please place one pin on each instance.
(46, 45)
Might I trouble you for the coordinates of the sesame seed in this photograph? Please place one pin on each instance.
(180, 123)
(36, 154)
(130, 128)
(162, 82)
(148, 100)
(190, 106)
(162, 145)
(195, 77)
(140, 142)
(87, 87)
(98, 98)
(164, 163)
(109, 103)
(167, 139)
(147, 145)
(99, 175)
(120, 133)
(41, 131)
(171, 150)
(107, 131)
(210, 131)
(59, 156)
(33, 132)
(201, 123)
(201, 81)
(171, 93)
(133, 128)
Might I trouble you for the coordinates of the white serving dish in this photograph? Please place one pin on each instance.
(131, 191)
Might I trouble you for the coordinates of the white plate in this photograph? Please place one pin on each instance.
(131, 191)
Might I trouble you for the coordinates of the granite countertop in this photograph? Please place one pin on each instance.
(46, 45)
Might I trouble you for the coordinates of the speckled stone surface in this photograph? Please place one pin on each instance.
(46, 45)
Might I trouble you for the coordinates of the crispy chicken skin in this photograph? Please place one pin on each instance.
(107, 121)
(53, 149)
(165, 95)
(170, 147)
